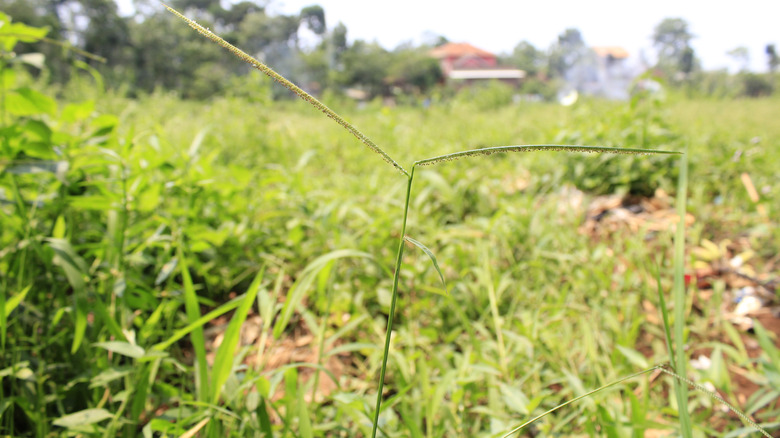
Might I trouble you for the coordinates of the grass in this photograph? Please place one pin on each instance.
(160, 221)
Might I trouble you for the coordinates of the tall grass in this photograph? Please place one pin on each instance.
(410, 179)
(123, 255)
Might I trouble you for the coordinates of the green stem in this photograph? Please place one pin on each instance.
(616, 382)
(389, 332)
(679, 299)
(268, 71)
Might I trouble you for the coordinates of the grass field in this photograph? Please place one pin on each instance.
(139, 216)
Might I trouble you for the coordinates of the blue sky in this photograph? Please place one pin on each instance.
(498, 26)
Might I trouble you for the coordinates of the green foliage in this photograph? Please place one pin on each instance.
(755, 85)
(642, 124)
(485, 96)
(672, 40)
(527, 58)
(129, 225)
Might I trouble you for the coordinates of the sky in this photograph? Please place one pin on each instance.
(497, 26)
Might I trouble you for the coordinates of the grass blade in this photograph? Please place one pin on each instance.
(82, 418)
(302, 285)
(532, 148)
(679, 299)
(123, 348)
(665, 317)
(184, 331)
(14, 301)
(588, 394)
(432, 257)
(264, 419)
(193, 314)
(75, 269)
(195, 429)
(224, 359)
(717, 398)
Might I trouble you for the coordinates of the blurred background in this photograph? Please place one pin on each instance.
(148, 177)
(368, 50)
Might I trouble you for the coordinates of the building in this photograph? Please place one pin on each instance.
(462, 63)
(613, 74)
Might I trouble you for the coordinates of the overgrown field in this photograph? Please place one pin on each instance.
(124, 220)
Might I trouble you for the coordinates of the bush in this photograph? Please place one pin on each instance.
(755, 85)
(640, 124)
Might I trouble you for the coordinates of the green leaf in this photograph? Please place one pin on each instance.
(83, 418)
(766, 344)
(14, 301)
(432, 257)
(178, 334)
(514, 399)
(192, 308)
(223, 361)
(75, 270)
(123, 348)
(109, 375)
(76, 112)
(304, 419)
(304, 282)
(28, 102)
(264, 419)
(7, 78)
(59, 228)
(633, 356)
(19, 370)
(166, 271)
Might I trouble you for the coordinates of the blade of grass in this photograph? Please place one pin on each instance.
(588, 394)
(532, 148)
(679, 299)
(431, 256)
(717, 398)
(301, 286)
(665, 316)
(193, 314)
(75, 269)
(225, 353)
(184, 331)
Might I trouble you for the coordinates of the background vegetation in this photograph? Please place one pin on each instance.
(149, 51)
(126, 210)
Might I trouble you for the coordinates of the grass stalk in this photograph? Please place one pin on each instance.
(410, 178)
(680, 359)
(399, 258)
(588, 394)
(290, 86)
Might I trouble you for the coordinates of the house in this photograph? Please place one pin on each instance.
(614, 75)
(465, 64)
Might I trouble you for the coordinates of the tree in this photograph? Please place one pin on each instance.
(106, 34)
(672, 39)
(741, 55)
(567, 52)
(365, 65)
(527, 57)
(414, 70)
(314, 17)
(772, 59)
(338, 42)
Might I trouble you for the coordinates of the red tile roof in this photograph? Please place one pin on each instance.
(458, 50)
(614, 51)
